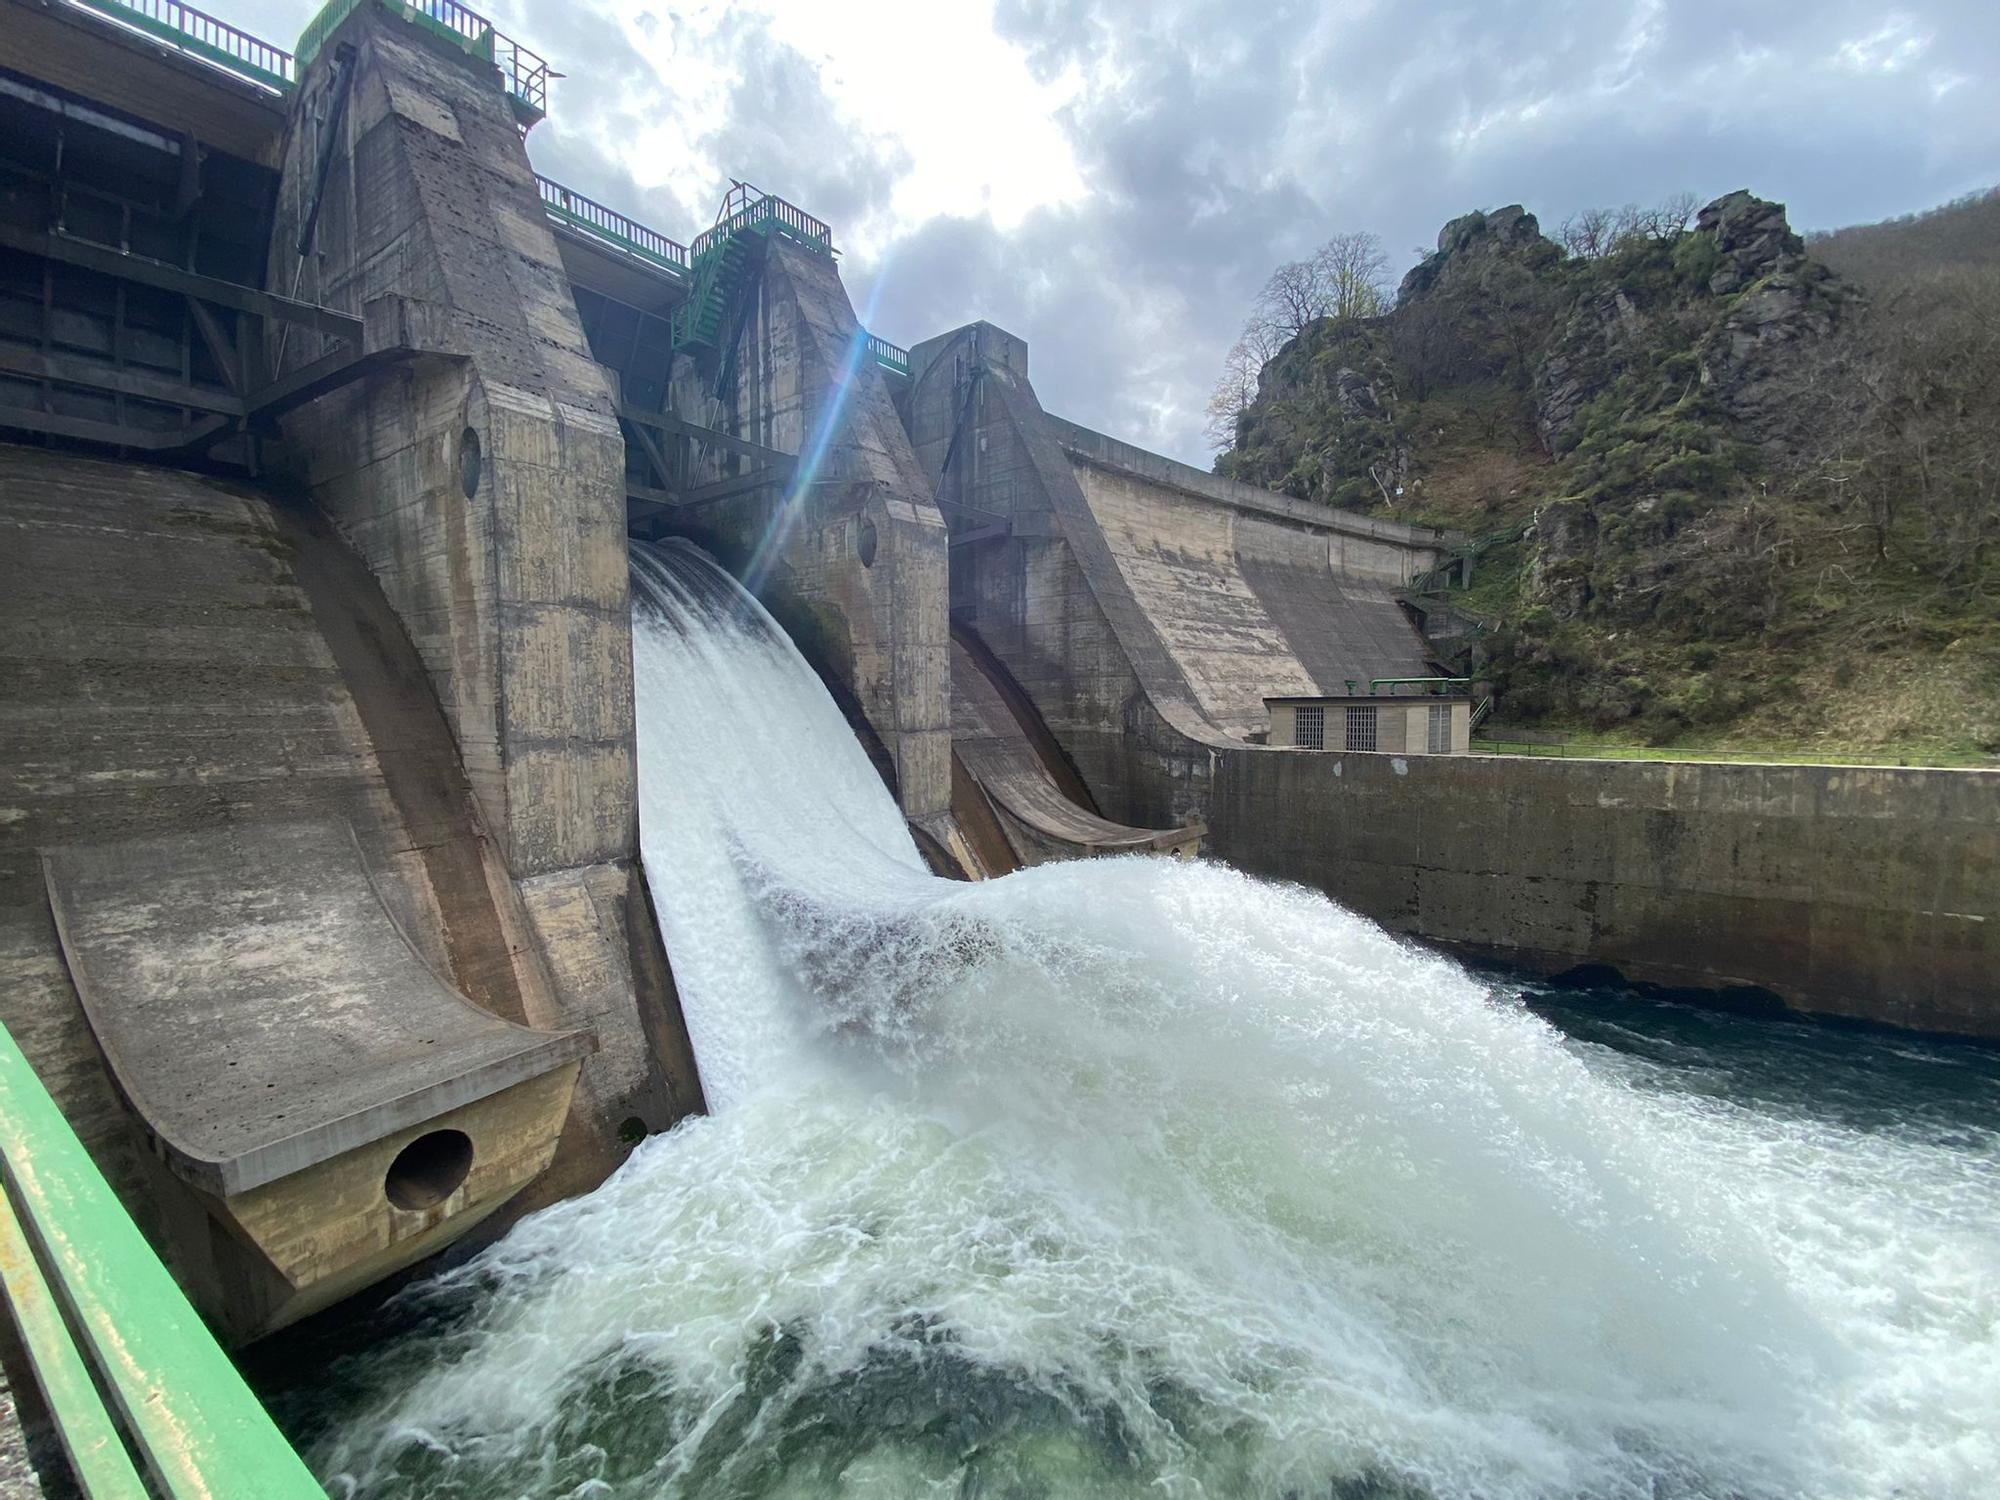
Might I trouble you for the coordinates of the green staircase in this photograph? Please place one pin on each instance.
(718, 272)
(721, 255)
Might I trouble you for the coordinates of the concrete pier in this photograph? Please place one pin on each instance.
(483, 485)
(850, 550)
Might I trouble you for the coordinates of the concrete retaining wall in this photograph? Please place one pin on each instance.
(1844, 891)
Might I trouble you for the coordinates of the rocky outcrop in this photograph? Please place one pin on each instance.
(1285, 440)
(1562, 541)
(1600, 331)
(1477, 240)
(1776, 299)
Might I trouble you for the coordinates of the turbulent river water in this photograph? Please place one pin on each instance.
(1137, 1178)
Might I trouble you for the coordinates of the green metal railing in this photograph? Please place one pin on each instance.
(747, 211)
(96, 1309)
(201, 35)
(888, 356)
(588, 216)
(525, 75)
(710, 266)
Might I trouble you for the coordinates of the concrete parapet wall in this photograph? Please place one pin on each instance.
(1846, 891)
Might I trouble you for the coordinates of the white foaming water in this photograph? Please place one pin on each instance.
(1136, 1178)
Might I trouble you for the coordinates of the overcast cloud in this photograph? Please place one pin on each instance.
(1113, 179)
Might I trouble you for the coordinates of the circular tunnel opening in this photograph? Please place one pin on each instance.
(429, 1170)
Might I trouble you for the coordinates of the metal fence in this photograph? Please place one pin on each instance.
(202, 35)
(755, 211)
(592, 218)
(525, 74)
(888, 355)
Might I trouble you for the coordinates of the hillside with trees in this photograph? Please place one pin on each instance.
(1720, 486)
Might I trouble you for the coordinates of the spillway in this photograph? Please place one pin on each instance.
(1133, 1177)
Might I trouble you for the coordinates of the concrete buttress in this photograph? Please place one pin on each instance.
(851, 555)
(484, 488)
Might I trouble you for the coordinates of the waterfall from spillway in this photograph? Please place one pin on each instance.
(1132, 1178)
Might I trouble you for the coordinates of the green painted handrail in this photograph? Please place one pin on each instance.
(526, 76)
(1382, 682)
(587, 215)
(97, 1455)
(202, 35)
(888, 356)
(192, 1420)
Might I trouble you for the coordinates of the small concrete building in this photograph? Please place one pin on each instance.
(1440, 725)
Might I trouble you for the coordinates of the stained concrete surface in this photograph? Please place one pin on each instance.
(1250, 599)
(851, 557)
(167, 668)
(258, 1005)
(1041, 819)
(1041, 589)
(1861, 892)
(485, 494)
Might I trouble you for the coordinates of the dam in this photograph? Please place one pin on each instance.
(787, 886)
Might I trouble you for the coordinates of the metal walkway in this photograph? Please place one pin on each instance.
(700, 273)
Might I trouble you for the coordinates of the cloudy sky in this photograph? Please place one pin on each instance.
(1113, 179)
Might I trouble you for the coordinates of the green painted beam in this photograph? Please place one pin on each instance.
(97, 1455)
(199, 1429)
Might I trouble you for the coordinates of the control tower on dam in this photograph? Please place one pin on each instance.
(326, 426)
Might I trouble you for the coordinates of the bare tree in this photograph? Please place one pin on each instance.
(1353, 270)
(1295, 295)
(1675, 213)
(1345, 278)
(1595, 232)
(1588, 233)
(1242, 368)
(1905, 423)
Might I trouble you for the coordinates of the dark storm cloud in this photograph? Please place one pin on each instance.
(1236, 135)
(1216, 138)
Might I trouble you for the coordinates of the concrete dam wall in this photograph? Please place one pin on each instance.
(189, 666)
(366, 611)
(1871, 893)
(1147, 608)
